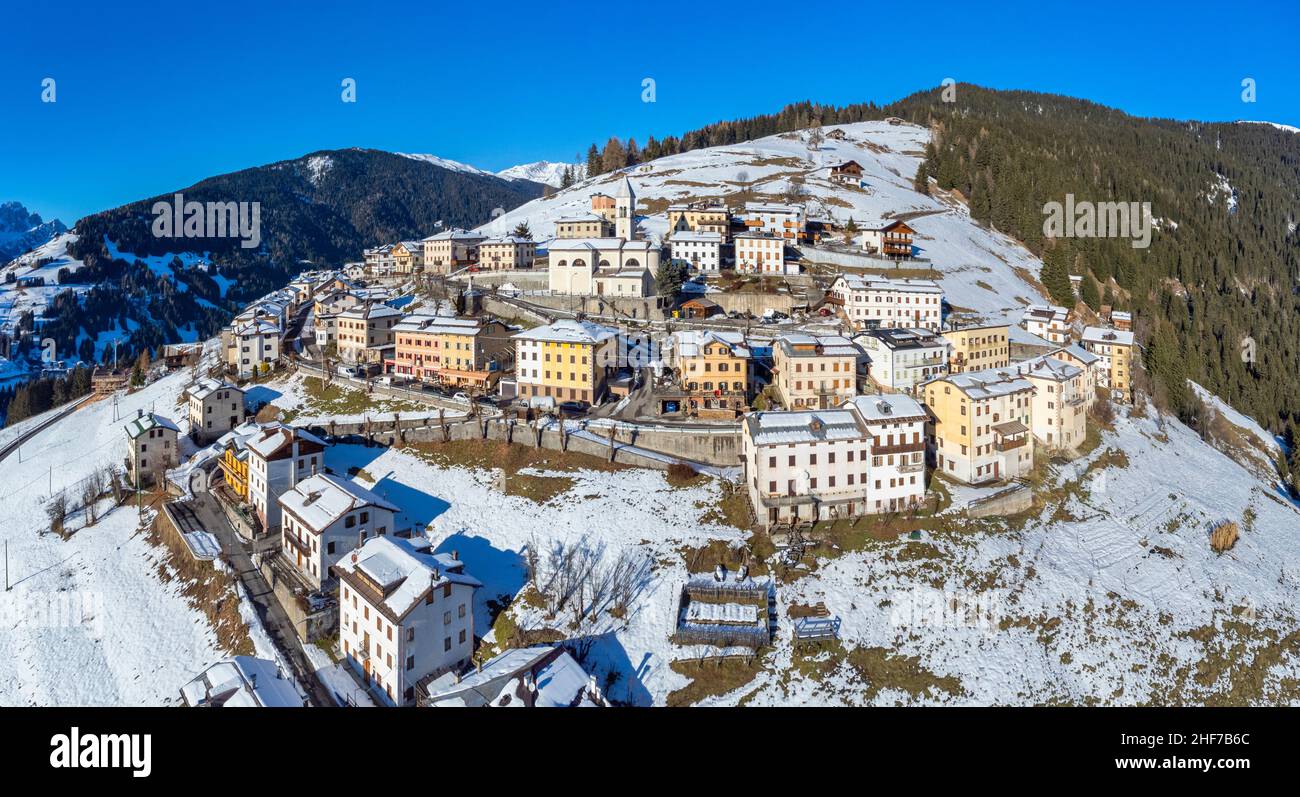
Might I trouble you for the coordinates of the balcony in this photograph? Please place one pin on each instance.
(293, 540)
(901, 448)
(1010, 445)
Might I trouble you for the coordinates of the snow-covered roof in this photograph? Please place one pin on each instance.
(886, 407)
(438, 325)
(807, 426)
(207, 386)
(572, 244)
(857, 282)
(370, 311)
(697, 236)
(274, 436)
(320, 500)
(566, 331)
(556, 678)
(1046, 313)
(989, 382)
(456, 234)
(771, 207)
(798, 344)
(1077, 352)
(895, 339)
(148, 420)
(1105, 335)
(691, 341)
(1047, 367)
(405, 569)
(242, 682)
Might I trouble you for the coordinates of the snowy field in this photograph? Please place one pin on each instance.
(88, 621)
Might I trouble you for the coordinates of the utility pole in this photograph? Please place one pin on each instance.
(7, 587)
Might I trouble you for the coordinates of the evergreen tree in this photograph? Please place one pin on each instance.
(921, 182)
(594, 162)
(1089, 292)
(522, 230)
(1055, 277)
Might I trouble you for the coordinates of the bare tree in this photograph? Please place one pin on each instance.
(56, 509)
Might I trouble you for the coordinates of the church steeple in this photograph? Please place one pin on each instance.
(625, 210)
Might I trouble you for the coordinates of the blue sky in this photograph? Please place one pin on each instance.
(152, 97)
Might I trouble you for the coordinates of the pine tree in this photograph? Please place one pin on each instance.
(921, 182)
(594, 162)
(522, 231)
(1089, 292)
(1055, 277)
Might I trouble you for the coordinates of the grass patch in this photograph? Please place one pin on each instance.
(682, 475)
(711, 678)
(334, 399)
(514, 460)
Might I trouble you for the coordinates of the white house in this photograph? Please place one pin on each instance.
(783, 221)
(279, 457)
(545, 676)
(324, 518)
(867, 456)
(151, 447)
(406, 615)
(762, 253)
(703, 250)
(903, 358)
(872, 302)
(255, 346)
(896, 424)
(242, 682)
(215, 407)
(1049, 322)
(1060, 403)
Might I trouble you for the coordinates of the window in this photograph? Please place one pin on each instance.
(410, 664)
(446, 644)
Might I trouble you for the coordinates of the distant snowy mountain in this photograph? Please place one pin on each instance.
(545, 172)
(446, 163)
(21, 230)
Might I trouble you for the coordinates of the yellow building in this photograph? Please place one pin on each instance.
(978, 348)
(980, 425)
(234, 468)
(713, 371)
(1115, 348)
(699, 217)
(567, 360)
(819, 371)
(408, 257)
(459, 352)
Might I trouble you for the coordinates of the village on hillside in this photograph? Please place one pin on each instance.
(779, 382)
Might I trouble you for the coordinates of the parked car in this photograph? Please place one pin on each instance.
(573, 408)
(461, 396)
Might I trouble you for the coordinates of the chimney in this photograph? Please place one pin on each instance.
(139, 413)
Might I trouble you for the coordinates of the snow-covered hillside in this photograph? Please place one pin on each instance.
(545, 172)
(981, 271)
(132, 639)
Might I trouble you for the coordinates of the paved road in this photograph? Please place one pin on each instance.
(277, 623)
